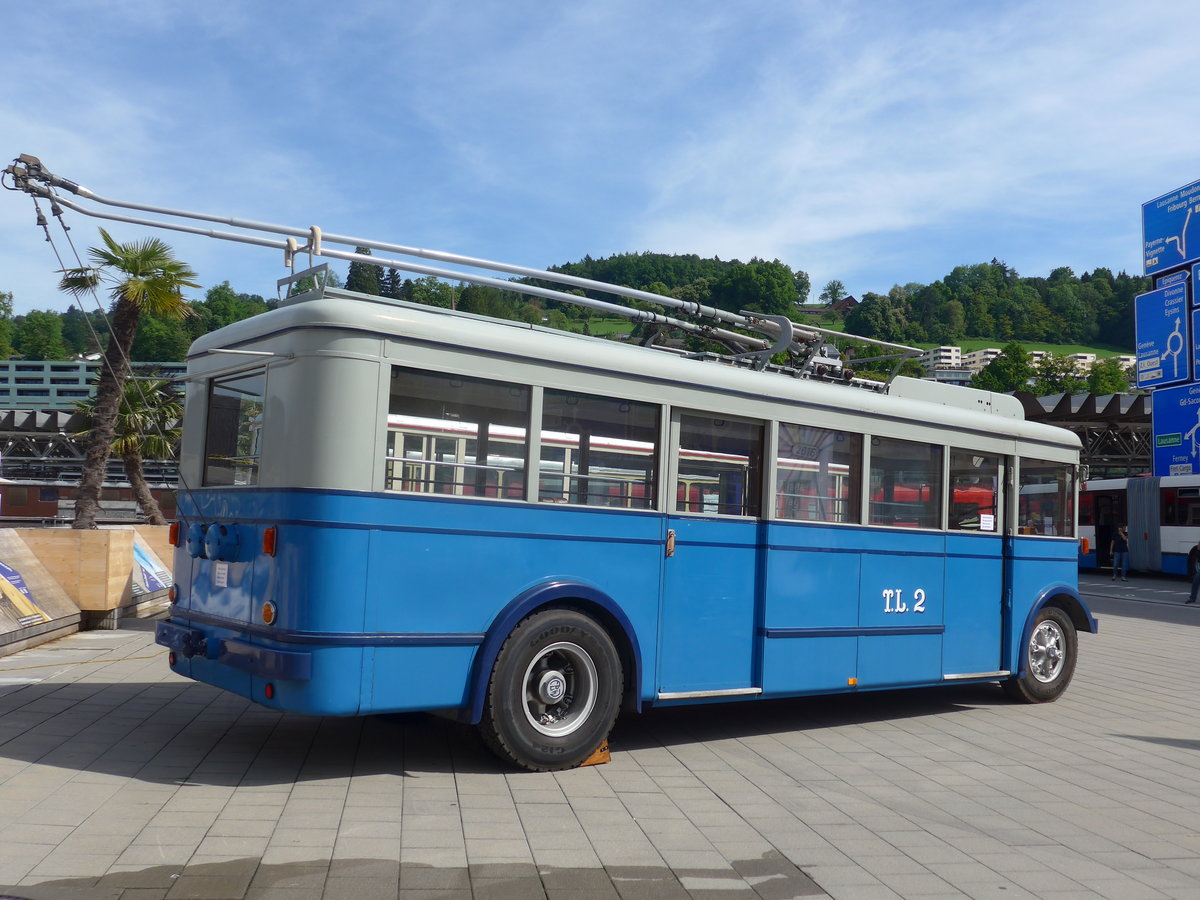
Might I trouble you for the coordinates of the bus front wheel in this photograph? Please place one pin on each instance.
(1049, 659)
(554, 692)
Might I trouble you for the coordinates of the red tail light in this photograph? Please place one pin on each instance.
(173, 534)
(269, 538)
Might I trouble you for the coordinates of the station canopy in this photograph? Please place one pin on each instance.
(1114, 428)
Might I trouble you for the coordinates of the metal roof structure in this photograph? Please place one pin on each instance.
(1114, 428)
(40, 445)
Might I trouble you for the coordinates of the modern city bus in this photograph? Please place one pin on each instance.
(397, 507)
(1163, 515)
(388, 507)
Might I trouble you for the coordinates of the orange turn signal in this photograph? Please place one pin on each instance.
(173, 534)
(853, 682)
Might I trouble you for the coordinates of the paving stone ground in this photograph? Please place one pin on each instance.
(121, 780)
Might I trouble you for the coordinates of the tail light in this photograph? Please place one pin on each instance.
(269, 538)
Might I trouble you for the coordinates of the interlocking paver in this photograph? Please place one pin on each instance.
(119, 777)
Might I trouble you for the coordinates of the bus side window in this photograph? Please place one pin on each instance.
(598, 451)
(906, 483)
(449, 434)
(974, 485)
(819, 473)
(1048, 500)
(719, 466)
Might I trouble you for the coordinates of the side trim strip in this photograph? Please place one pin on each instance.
(1003, 673)
(727, 692)
(853, 631)
(332, 638)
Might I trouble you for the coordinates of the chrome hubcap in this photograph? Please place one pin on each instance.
(559, 689)
(1047, 651)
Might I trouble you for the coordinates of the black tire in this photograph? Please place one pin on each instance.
(554, 692)
(1048, 659)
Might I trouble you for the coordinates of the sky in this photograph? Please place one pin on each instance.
(872, 142)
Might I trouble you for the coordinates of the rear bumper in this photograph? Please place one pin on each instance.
(263, 662)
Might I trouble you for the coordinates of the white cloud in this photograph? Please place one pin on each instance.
(1033, 111)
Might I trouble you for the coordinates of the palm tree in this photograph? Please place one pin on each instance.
(147, 426)
(141, 277)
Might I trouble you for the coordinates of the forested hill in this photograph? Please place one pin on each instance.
(989, 301)
(992, 301)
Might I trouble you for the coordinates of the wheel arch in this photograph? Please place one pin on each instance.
(558, 594)
(1061, 597)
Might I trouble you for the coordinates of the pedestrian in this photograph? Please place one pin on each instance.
(1120, 553)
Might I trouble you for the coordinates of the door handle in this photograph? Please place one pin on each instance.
(670, 542)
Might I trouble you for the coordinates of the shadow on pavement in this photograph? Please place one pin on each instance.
(173, 733)
(772, 875)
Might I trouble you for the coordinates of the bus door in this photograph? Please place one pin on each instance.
(975, 569)
(1108, 512)
(903, 566)
(711, 575)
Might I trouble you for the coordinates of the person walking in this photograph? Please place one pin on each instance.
(1120, 553)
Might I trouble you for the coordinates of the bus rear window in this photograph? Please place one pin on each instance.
(233, 435)
(1047, 505)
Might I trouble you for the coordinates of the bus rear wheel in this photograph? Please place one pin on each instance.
(554, 692)
(1049, 659)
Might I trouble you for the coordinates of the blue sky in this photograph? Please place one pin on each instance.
(871, 142)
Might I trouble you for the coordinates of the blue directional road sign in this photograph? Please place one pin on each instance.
(1196, 340)
(1163, 337)
(1176, 426)
(1171, 229)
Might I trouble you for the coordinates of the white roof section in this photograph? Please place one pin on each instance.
(906, 399)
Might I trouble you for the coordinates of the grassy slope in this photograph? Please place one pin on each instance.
(604, 326)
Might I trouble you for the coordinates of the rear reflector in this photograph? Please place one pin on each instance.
(269, 537)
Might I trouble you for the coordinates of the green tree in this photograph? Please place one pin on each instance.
(428, 290)
(1108, 376)
(876, 317)
(82, 333)
(833, 291)
(39, 335)
(140, 277)
(161, 339)
(147, 426)
(803, 285)
(758, 286)
(1054, 374)
(364, 277)
(1010, 371)
(6, 324)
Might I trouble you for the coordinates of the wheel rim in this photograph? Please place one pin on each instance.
(560, 689)
(1047, 651)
